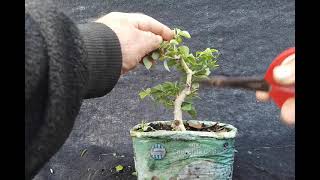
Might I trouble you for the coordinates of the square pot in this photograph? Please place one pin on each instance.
(173, 155)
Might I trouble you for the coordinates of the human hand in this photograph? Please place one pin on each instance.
(138, 34)
(283, 74)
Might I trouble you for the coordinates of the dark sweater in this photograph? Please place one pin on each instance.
(64, 63)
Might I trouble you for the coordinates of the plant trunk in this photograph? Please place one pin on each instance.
(178, 123)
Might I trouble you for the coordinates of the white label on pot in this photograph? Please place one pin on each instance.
(158, 151)
(205, 170)
(195, 150)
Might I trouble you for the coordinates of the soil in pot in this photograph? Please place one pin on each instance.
(194, 126)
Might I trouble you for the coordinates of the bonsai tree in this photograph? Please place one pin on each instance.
(180, 94)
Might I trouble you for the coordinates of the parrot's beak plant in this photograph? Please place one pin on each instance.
(193, 67)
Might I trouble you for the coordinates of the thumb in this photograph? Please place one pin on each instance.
(288, 111)
(285, 73)
(151, 42)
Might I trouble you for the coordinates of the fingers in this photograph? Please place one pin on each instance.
(151, 42)
(288, 111)
(262, 96)
(147, 23)
(285, 73)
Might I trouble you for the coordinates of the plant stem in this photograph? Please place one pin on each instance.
(178, 123)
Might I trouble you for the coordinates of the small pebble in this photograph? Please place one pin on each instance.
(51, 171)
(249, 152)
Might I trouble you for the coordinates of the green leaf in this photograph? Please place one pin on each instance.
(145, 93)
(119, 168)
(184, 50)
(214, 51)
(171, 62)
(177, 31)
(170, 54)
(207, 50)
(195, 85)
(179, 40)
(158, 87)
(165, 64)
(199, 77)
(155, 55)
(185, 34)
(174, 42)
(164, 45)
(193, 113)
(192, 60)
(186, 106)
(147, 62)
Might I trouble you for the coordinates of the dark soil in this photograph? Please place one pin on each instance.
(200, 127)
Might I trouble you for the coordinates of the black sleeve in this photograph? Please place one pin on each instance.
(63, 64)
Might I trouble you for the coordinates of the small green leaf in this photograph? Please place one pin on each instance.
(186, 106)
(184, 50)
(195, 85)
(166, 65)
(135, 174)
(179, 40)
(145, 93)
(199, 77)
(193, 113)
(185, 34)
(208, 52)
(177, 31)
(172, 41)
(158, 87)
(147, 62)
(155, 55)
(171, 62)
(214, 51)
(164, 45)
(119, 168)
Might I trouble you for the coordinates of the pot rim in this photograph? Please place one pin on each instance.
(185, 134)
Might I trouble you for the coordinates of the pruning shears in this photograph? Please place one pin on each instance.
(278, 93)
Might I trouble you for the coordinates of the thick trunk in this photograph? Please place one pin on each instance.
(178, 123)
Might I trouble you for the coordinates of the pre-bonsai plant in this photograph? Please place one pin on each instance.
(156, 144)
(179, 95)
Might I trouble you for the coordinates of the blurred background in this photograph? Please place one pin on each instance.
(248, 34)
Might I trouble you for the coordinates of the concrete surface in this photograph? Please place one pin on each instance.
(249, 34)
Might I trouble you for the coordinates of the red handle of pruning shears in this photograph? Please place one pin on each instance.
(279, 93)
